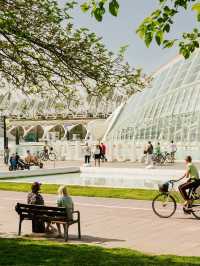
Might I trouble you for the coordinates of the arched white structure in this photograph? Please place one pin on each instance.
(168, 110)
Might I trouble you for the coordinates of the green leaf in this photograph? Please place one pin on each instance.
(166, 27)
(168, 43)
(159, 37)
(196, 7)
(98, 13)
(85, 7)
(148, 39)
(114, 7)
(123, 49)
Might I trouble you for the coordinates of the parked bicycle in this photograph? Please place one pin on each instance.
(162, 158)
(164, 204)
(45, 156)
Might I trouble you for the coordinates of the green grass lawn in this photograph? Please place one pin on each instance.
(139, 194)
(122, 193)
(19, 252)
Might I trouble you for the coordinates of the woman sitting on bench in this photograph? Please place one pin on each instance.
(64, 200)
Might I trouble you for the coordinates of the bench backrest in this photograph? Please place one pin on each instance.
(28, 210)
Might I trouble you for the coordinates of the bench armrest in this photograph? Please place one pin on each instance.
(77, 214)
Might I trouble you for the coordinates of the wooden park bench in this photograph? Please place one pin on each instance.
(48, 214)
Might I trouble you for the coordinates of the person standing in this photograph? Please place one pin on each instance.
(149, 152)
(97, 155)
(158, 149)
(87, 153)
(13, 163)
(103, 152)
(173, 150)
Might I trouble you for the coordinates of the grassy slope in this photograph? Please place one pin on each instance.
(18, 252)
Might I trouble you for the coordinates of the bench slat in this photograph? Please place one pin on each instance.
(42, 212)
(40, 207)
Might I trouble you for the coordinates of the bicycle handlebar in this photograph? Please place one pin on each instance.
(177, 180)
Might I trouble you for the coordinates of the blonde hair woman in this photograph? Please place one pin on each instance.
(64, 200)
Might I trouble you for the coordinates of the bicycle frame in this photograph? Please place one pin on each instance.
(176, 194)
(173, 192)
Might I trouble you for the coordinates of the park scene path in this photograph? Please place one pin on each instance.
(115, 223)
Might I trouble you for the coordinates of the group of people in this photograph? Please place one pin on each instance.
(31, 158)
(99, 153)
(63, 200)
(16, 162)
(149, 150)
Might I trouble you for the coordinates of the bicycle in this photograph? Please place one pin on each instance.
(164, 204)
(162, 158)
(45, 156)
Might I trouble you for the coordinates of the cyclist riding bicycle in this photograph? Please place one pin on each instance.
(46, 149)
(192, 183)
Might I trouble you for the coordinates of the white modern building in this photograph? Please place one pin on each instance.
(168, 110)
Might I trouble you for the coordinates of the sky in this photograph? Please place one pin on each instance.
(121, 30)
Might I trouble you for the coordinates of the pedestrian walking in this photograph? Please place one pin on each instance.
(87, 153)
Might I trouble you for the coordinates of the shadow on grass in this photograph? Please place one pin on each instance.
(19, 252)
(84, 238)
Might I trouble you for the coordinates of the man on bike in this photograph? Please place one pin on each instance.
(192, 183)
(46, 149)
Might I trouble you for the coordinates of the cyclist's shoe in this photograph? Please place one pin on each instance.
(187, 210)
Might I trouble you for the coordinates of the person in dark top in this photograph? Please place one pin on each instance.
(103, 152)
(149, 152)
(97, 155)
(35, 198)
(150, 148)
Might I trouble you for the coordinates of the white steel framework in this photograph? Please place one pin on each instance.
(168, 110)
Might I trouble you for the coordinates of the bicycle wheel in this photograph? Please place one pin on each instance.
(162, 159)
(168, 158)
(196, 209)
(42, 156)
(52, 156)
(164, 205)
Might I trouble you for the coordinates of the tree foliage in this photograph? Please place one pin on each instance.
(41, 52)
(158, 24)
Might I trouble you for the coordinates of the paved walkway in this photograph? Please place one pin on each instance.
(116, 223)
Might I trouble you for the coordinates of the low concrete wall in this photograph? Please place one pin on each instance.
(127, 177)
(40, 172)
